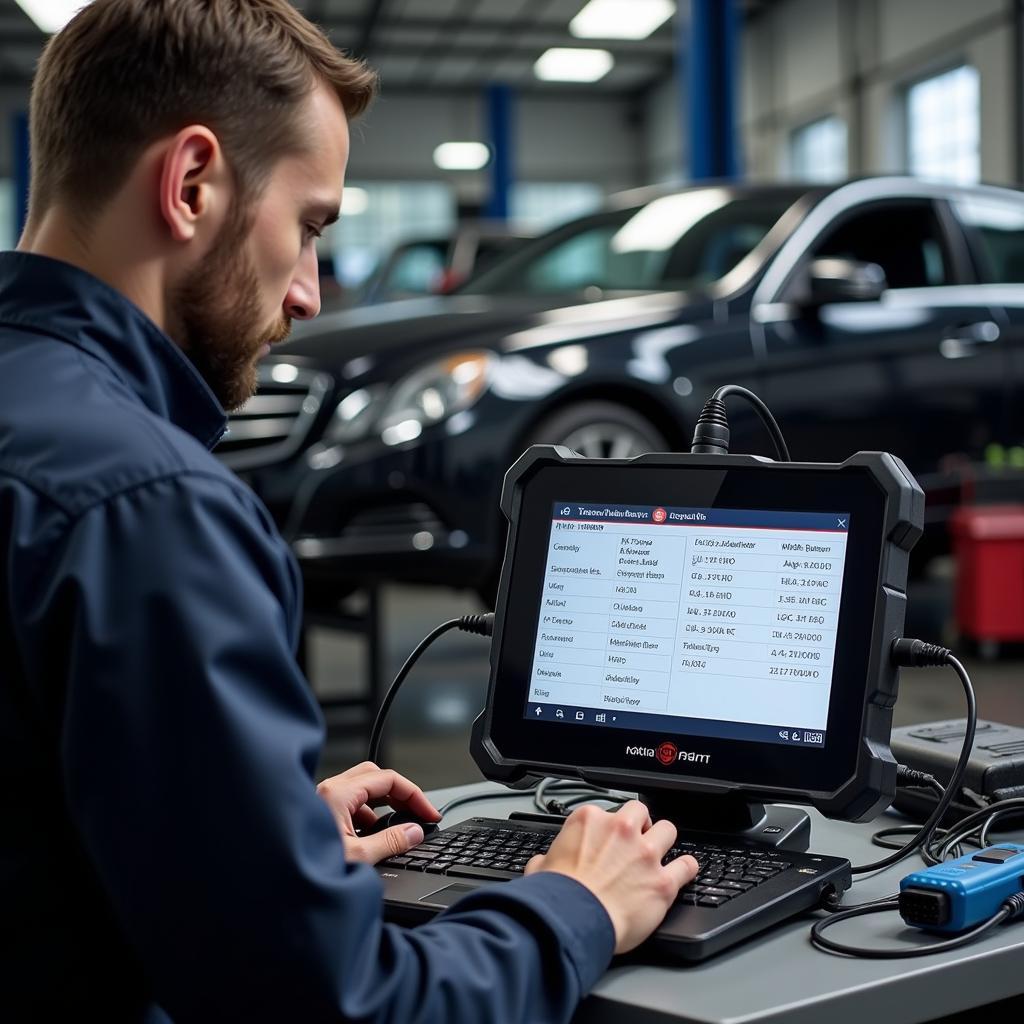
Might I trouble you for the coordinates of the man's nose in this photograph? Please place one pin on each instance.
(302, 302)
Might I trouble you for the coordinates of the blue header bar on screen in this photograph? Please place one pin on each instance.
(658, 515)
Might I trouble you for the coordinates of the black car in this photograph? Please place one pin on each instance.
(883, 313)
(425, 266)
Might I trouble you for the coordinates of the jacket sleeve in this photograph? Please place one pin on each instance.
(189, 742)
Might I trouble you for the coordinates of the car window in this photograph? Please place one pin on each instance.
(676, 241)
(904, 239)
(588, 259)
(998, 228)
(416, 268)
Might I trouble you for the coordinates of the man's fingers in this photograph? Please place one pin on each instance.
(661, 835)
(533, 864)
(683, 870)
(398, 791)
(389, 843)
(363, 817)
(636, 813)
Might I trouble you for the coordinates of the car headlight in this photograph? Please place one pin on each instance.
(433, 393)
(355, 415)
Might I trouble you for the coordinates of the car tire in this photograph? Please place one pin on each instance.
(593, 429)
(603, 430)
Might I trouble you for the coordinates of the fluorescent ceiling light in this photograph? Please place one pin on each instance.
(354, 201)
(52, 15)
(461, 156)
(567, 65)
(621, 19)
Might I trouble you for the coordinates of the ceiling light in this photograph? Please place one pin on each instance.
(565, 65)
(621, 19)
(52, 15)
(461, 156)
(354, 201)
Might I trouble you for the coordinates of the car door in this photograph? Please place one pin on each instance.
(919, 372)
(993, 223)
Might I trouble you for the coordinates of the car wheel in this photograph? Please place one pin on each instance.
(600, 430)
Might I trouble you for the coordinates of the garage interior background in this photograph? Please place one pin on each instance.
(824, 90)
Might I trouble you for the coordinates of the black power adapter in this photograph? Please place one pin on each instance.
(995, 770)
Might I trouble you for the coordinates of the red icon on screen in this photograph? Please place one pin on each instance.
(659, 515)
(666, 752)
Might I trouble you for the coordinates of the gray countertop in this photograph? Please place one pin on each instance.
(778, 976)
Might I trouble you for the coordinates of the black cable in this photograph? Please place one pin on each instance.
(483, 625)
(1006, 912)
(984, 820)
(472, 798)
(916, 653)
(711, 433)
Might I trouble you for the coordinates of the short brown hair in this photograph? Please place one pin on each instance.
(125, 72)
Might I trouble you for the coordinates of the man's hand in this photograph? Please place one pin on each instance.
(618, 858)
(351, 797)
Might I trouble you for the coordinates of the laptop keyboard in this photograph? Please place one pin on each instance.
(493, 852)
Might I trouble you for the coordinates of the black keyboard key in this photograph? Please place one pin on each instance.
(711, 901)
(716, 890)
(396, 862)
(735, 886)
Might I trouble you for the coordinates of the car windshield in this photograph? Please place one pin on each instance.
(677, 241)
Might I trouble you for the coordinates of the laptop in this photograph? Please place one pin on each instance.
(710, 633)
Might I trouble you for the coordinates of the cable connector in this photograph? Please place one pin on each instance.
(1015, 905)
(831, 899)
(482, 625)
(711, 434)
(912, 777)
(909, 653)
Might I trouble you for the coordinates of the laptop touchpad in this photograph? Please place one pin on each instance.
(447, 896)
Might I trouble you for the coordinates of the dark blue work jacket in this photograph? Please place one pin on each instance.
(163, 852)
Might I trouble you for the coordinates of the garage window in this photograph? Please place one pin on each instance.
(817, 151)
(395, 212)
(943, 127)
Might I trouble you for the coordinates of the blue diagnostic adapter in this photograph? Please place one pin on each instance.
(959, 894)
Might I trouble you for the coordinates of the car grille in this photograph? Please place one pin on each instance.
(273, 424)
(395, 520)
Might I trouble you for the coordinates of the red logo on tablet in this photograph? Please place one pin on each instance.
(659, 515)
(666, 752)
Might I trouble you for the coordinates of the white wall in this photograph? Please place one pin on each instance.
(664, 153)
(569, 139)
(804, 59)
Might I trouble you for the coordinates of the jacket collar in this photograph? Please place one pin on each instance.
(65, 302)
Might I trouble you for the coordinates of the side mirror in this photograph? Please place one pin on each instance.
(842, 280)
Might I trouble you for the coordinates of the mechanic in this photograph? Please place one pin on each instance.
(165, 852)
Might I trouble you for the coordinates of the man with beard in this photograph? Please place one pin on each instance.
(165, 853)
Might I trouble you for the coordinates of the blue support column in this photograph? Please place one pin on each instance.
(20, 162)
(500, 133)
(708, 44)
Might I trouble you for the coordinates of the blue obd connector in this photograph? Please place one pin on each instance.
(961, 893)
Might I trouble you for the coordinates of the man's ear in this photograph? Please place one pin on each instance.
(191, 179)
